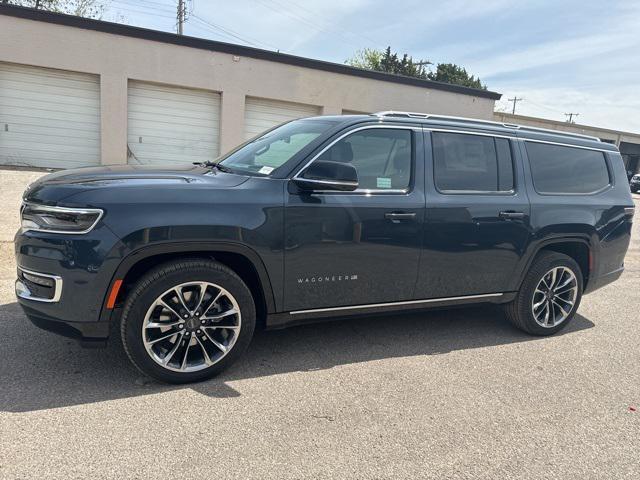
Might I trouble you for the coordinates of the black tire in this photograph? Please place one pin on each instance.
(519, 311)
(159, 280)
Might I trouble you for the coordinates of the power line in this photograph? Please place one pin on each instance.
(282, 10)
(145, 12)
(232, 33)
(329, 24)
(514, 100)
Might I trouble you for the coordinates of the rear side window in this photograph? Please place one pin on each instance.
(472, 163)
(559, 169)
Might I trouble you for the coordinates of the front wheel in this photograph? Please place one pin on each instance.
(188, 320)
(549, 295)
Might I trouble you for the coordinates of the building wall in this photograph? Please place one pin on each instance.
(118, 59)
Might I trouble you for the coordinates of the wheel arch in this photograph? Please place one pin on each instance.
(241, 259)
(578, 248)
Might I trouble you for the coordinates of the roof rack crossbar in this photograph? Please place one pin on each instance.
(393, 113)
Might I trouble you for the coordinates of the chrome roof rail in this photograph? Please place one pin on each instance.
(424, 116)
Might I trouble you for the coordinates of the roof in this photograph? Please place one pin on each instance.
(234, 49)
(485, 126)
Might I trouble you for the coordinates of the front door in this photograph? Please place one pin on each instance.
(477, 215)
(361, 247)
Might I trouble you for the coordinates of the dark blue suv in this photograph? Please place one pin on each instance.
(317, 218)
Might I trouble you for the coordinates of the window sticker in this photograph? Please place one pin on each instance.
(383, 182)
(266, 170)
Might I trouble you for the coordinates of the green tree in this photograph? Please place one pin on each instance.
(81, 8)
(452, 73)
(390, 62)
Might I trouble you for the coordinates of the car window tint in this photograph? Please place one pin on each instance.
(381, 156)
(472, 163)
(560, 169)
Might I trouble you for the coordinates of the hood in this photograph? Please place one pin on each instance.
(56, 187)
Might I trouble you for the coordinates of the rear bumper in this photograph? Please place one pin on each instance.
(603, 280)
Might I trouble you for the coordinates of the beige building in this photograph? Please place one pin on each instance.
(75, 92)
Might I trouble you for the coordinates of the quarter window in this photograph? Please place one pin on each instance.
(381, 156)
(560, 169)
(472, 163)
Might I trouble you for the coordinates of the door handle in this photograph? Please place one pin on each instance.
(511, 215)
(399, 216)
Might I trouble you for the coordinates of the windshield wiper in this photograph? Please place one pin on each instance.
(217, 165)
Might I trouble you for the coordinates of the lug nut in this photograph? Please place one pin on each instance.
(186, 316)
(181, 326)
(198, 331)
(197, 314)
(203, 322)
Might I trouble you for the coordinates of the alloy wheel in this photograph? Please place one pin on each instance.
(554, 297)
(191, 326)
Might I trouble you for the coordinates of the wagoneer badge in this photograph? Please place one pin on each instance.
(326, 278)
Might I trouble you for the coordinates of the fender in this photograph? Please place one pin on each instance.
(185, 247)
(519, 275)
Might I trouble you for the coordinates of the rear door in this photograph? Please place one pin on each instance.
(477, 216)
(361, 247)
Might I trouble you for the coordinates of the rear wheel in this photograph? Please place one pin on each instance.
(187, 321)
(549, 296)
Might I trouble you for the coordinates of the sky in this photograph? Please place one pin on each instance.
(579, 56)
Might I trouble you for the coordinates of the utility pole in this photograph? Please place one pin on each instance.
(181, 17)
(514, 100)
(571, 115)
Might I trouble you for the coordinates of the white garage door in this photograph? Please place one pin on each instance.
(172, 124)
(261, 114)
(48, 118)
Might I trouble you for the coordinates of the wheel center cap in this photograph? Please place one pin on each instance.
(192, 323)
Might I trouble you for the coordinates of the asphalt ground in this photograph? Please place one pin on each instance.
(443, 394)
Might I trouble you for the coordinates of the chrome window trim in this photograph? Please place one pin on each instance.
(389, 304)
(392, 113)
(368, 191)
(569, 145)
(329, 182)
(57, 289)
(48, 208)
(508, 193)
(514, 137)
(608, 186)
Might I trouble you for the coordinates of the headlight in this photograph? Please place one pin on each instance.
(59, 219)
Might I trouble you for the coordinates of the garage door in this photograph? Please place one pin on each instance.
(261, 114)
(48, 118)
(172, 124)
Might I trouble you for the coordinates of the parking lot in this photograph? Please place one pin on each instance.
(443, 394)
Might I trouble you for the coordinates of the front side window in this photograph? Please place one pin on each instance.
(560, 169)
(381, 156)
(472, 163)
(265, 153)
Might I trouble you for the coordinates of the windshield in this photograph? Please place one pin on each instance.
(265, 153)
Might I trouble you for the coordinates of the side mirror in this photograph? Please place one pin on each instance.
(326, 175)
